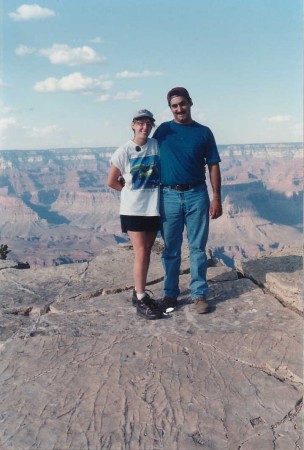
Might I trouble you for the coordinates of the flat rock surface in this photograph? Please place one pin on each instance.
(280, 272)
(80, 370)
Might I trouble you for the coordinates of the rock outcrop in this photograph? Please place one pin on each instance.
(279, 272)
(56, 205)
(80, 370)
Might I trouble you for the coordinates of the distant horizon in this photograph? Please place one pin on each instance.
(297, 143)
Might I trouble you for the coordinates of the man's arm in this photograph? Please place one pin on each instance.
(215, 180)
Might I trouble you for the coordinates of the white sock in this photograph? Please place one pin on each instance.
(140, 296)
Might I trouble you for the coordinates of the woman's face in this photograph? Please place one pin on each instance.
(142, 127)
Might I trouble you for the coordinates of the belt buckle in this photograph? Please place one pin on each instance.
(179, 187)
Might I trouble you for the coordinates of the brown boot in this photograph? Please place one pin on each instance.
(201, 305)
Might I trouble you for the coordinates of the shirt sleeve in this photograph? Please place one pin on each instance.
(155, 134)
(213, 156)
(119, 159)
(159, 131)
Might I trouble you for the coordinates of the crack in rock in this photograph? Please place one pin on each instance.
(290, 415)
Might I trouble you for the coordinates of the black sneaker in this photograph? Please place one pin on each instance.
(169, 303)
(148, 308)
(135, 299)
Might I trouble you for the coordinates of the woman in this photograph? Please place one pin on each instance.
(135, 172)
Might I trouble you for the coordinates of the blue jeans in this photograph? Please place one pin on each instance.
(177, 210)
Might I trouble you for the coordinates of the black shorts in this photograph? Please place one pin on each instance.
(139, 223)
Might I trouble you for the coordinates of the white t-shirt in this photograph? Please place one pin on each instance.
(141, 171)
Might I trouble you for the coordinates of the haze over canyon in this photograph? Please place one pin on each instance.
(56, 208)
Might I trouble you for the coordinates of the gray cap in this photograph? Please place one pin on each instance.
(143, 113)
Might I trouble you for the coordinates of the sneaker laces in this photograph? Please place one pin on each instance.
(154, 305)
(150, 302)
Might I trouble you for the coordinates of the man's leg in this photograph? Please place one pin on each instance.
(197, 222)
(172, 233)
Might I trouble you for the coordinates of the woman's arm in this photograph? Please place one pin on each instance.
(113, 178)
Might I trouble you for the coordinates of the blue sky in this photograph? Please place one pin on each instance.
(73, 72)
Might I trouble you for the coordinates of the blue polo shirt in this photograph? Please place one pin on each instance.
(184, 152)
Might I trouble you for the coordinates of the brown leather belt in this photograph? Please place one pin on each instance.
(182, 187)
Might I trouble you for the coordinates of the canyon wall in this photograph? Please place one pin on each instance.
(55, 206)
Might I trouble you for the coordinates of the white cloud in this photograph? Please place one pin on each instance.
(43, 131)
(143, 74)
(29, 12)
(63, 54)
(278, 118)
(3, 84)
(198, 115)
(165, 115)
(6, 122)
(96, 40)
(104, 98)
(297, 130)
(132, 96)
(8, 110)
(22, 50)
(75, 82)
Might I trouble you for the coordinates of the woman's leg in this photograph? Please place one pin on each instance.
(142, 242)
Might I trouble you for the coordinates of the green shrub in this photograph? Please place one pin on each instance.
(4, 251)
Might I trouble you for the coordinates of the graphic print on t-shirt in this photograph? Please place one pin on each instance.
(145, 172)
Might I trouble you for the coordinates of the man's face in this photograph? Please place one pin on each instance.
(181, 110)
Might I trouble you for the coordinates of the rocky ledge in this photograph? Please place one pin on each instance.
(80, 370)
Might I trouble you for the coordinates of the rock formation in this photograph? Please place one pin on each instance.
(80, 370)
(55, 205)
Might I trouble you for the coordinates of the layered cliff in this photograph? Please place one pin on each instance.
(55, 205)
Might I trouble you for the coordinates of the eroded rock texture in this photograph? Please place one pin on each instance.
(80, 370)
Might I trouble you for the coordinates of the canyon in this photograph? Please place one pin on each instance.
(56, 208)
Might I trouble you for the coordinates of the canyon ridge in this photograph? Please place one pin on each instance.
(56, 208)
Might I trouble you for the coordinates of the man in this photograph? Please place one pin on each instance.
(186, 147)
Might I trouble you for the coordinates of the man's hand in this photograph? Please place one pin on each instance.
(121, 180)
(216, 208)
(115, 179)
(215, 179)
